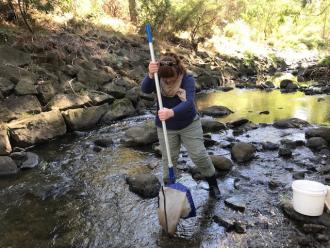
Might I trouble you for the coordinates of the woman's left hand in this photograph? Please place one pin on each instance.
(165, 114)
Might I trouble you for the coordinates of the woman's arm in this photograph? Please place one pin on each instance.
(148, 85)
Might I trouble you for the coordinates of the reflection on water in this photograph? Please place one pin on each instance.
(249, 103)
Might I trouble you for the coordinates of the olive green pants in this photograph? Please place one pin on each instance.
(191, 137)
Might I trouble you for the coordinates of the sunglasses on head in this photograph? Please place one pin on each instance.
(167, 63)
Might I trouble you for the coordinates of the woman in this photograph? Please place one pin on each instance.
(179, 112)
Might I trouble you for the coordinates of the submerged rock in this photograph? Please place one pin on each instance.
(216, 111)
(291, 123)
(7, 166)
(145, 185)
(144, 134)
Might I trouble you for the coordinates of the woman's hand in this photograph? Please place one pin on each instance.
(165, 114)
(153, 68)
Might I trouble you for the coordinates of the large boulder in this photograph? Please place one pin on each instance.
(14, 73)
(25, 86)
(117, 91)
(316, 143)
(37, 128)
(291, 123)
(7, 166)
(119, 109)
(84, 118)
(12, 56)
(5, 147)
(93, 79)
(99, 97)
(46, 92)
(6, 86)
(15, 106)
(68, 101)
(145, 185)
(242, 152)
(323, 132)
(141, 135)
(216, 111)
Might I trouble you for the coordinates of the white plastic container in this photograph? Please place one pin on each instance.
(309, 197)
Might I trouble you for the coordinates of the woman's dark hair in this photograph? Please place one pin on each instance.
(170, 65)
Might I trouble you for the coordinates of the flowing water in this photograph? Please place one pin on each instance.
(77, 197)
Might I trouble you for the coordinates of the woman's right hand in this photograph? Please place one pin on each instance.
(153, 68)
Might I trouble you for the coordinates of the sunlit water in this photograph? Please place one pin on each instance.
(249, 104)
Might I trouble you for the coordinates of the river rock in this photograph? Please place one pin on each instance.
(236, 203)
(45, 91)
(93, 79)
(37, 128)
(6, 86)
(269, 146)
(105, 142)
(212, 126)
(25, 86)
(316, 143)
(288, 210)
(221, 163)
(5, 146)
(216, 111)
(117, 91)
(287, 86)
(7, 166)
(99, 97)
(323, 132)
(14, 107)
(68, 101)
(143, 134)
(12, 56)
(145, 185)
(237, 123)
(285, 152)
(313, 228)
(119, 109)
(14, 73)
(291, 123)
(31, 161)
(84, 118)
(242, 152)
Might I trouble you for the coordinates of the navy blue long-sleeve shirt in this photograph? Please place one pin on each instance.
(184, 111)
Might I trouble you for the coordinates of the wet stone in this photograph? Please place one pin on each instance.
(269, 146)
(31, 161)
(227, 223)
(313, 228)
(299, 175)
(285, 152)
(209, 142)
(288, 210)
(145, 185)
(236, 203)
(103, 142)
(273, 184)
(239, 227)
(7, 166)
(97, 148)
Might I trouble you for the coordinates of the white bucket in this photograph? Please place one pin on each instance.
(309, 197)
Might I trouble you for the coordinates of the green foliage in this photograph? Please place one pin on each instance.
(154, 12)
(325, 61)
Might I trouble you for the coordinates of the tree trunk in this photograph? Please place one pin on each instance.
(132, 11)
